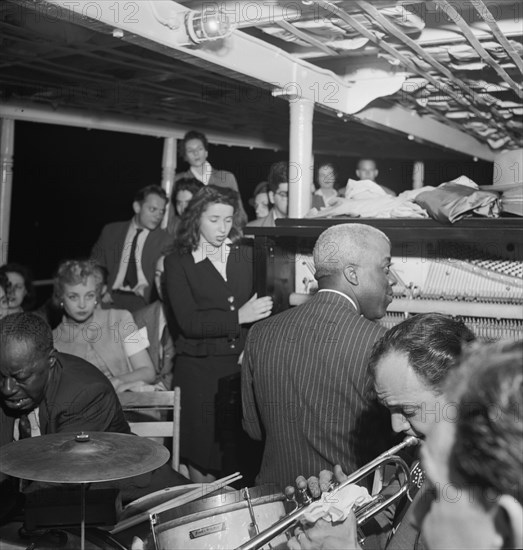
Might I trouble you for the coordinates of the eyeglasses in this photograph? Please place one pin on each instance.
(282, 194)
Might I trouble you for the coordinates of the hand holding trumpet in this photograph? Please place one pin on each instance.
(323, 533)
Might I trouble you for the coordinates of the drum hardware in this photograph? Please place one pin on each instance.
(253, 527)
(86, 457)
(153, 518)
(363, 513)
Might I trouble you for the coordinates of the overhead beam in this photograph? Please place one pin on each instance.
(97, 121)
(239, 56)
(424, 129)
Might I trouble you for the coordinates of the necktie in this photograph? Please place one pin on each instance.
(24, 427)
(131, 275)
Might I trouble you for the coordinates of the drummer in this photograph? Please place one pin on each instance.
(43, 391)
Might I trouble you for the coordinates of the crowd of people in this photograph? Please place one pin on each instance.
(324, 387)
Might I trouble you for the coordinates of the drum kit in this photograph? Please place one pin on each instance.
(86, 457)
(222, 519)
(226, 519)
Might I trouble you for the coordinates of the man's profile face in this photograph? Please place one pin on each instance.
(367, 170)
(374, 289)
(414, 408)
(23, 375)
(457, 516)
(280, 199)
(149, 213)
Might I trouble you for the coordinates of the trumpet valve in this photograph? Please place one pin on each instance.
(332, 485)
(305, 496)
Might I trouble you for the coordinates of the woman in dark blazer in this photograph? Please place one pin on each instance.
(209, 287)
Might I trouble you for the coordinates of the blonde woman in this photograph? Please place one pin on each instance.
(107, 338)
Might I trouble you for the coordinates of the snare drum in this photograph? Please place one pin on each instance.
(217, 522)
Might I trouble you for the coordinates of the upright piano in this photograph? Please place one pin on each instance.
(472, 269)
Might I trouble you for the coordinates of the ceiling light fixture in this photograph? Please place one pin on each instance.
(207, 26)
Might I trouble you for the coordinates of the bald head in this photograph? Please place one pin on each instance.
(28, 328)
(354, 259)
(342, 245)
(26, 360)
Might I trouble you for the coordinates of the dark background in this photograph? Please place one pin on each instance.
(69, 182)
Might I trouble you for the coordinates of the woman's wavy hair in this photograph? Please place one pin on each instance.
(25, 273)
(75, 272)
(188, 232)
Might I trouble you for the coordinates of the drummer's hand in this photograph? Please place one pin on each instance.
(325, 535)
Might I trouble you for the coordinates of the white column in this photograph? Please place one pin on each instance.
(168, 169)
(300, 157)
(7, 144)
(418, 174)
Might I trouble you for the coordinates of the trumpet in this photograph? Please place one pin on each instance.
(362, 513)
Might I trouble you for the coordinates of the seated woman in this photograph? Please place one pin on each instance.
(260, 200)
(326, 192)
(22, 296)
(107, 338)
(183, 192)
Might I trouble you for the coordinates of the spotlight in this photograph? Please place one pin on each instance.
(206, 26)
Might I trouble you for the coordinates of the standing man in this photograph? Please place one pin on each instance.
(304, 371)
(368, 170)
(278, 191)
(129, 250)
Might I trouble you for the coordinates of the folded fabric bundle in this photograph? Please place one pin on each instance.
(336, 506)
(384, 206)
(451, 201)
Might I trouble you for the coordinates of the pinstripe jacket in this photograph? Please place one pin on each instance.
(304, 388)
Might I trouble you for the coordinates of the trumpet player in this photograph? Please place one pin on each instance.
(409, 366)
(473, 461)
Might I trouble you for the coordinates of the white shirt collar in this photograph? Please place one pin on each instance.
(353, 302)
(204, 174)
(206, 250)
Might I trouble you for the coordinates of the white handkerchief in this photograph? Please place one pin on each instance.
(336, 506)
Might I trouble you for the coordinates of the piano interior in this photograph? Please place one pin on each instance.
(482, 285)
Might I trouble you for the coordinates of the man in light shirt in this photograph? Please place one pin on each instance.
(278, 192)
(129, 251)
(367, 169)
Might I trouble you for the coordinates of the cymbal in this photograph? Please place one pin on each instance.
(84, 457)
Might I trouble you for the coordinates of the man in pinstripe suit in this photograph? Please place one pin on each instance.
(304, 371)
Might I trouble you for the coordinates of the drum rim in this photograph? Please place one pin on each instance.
(161, 527)
(262, 494)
